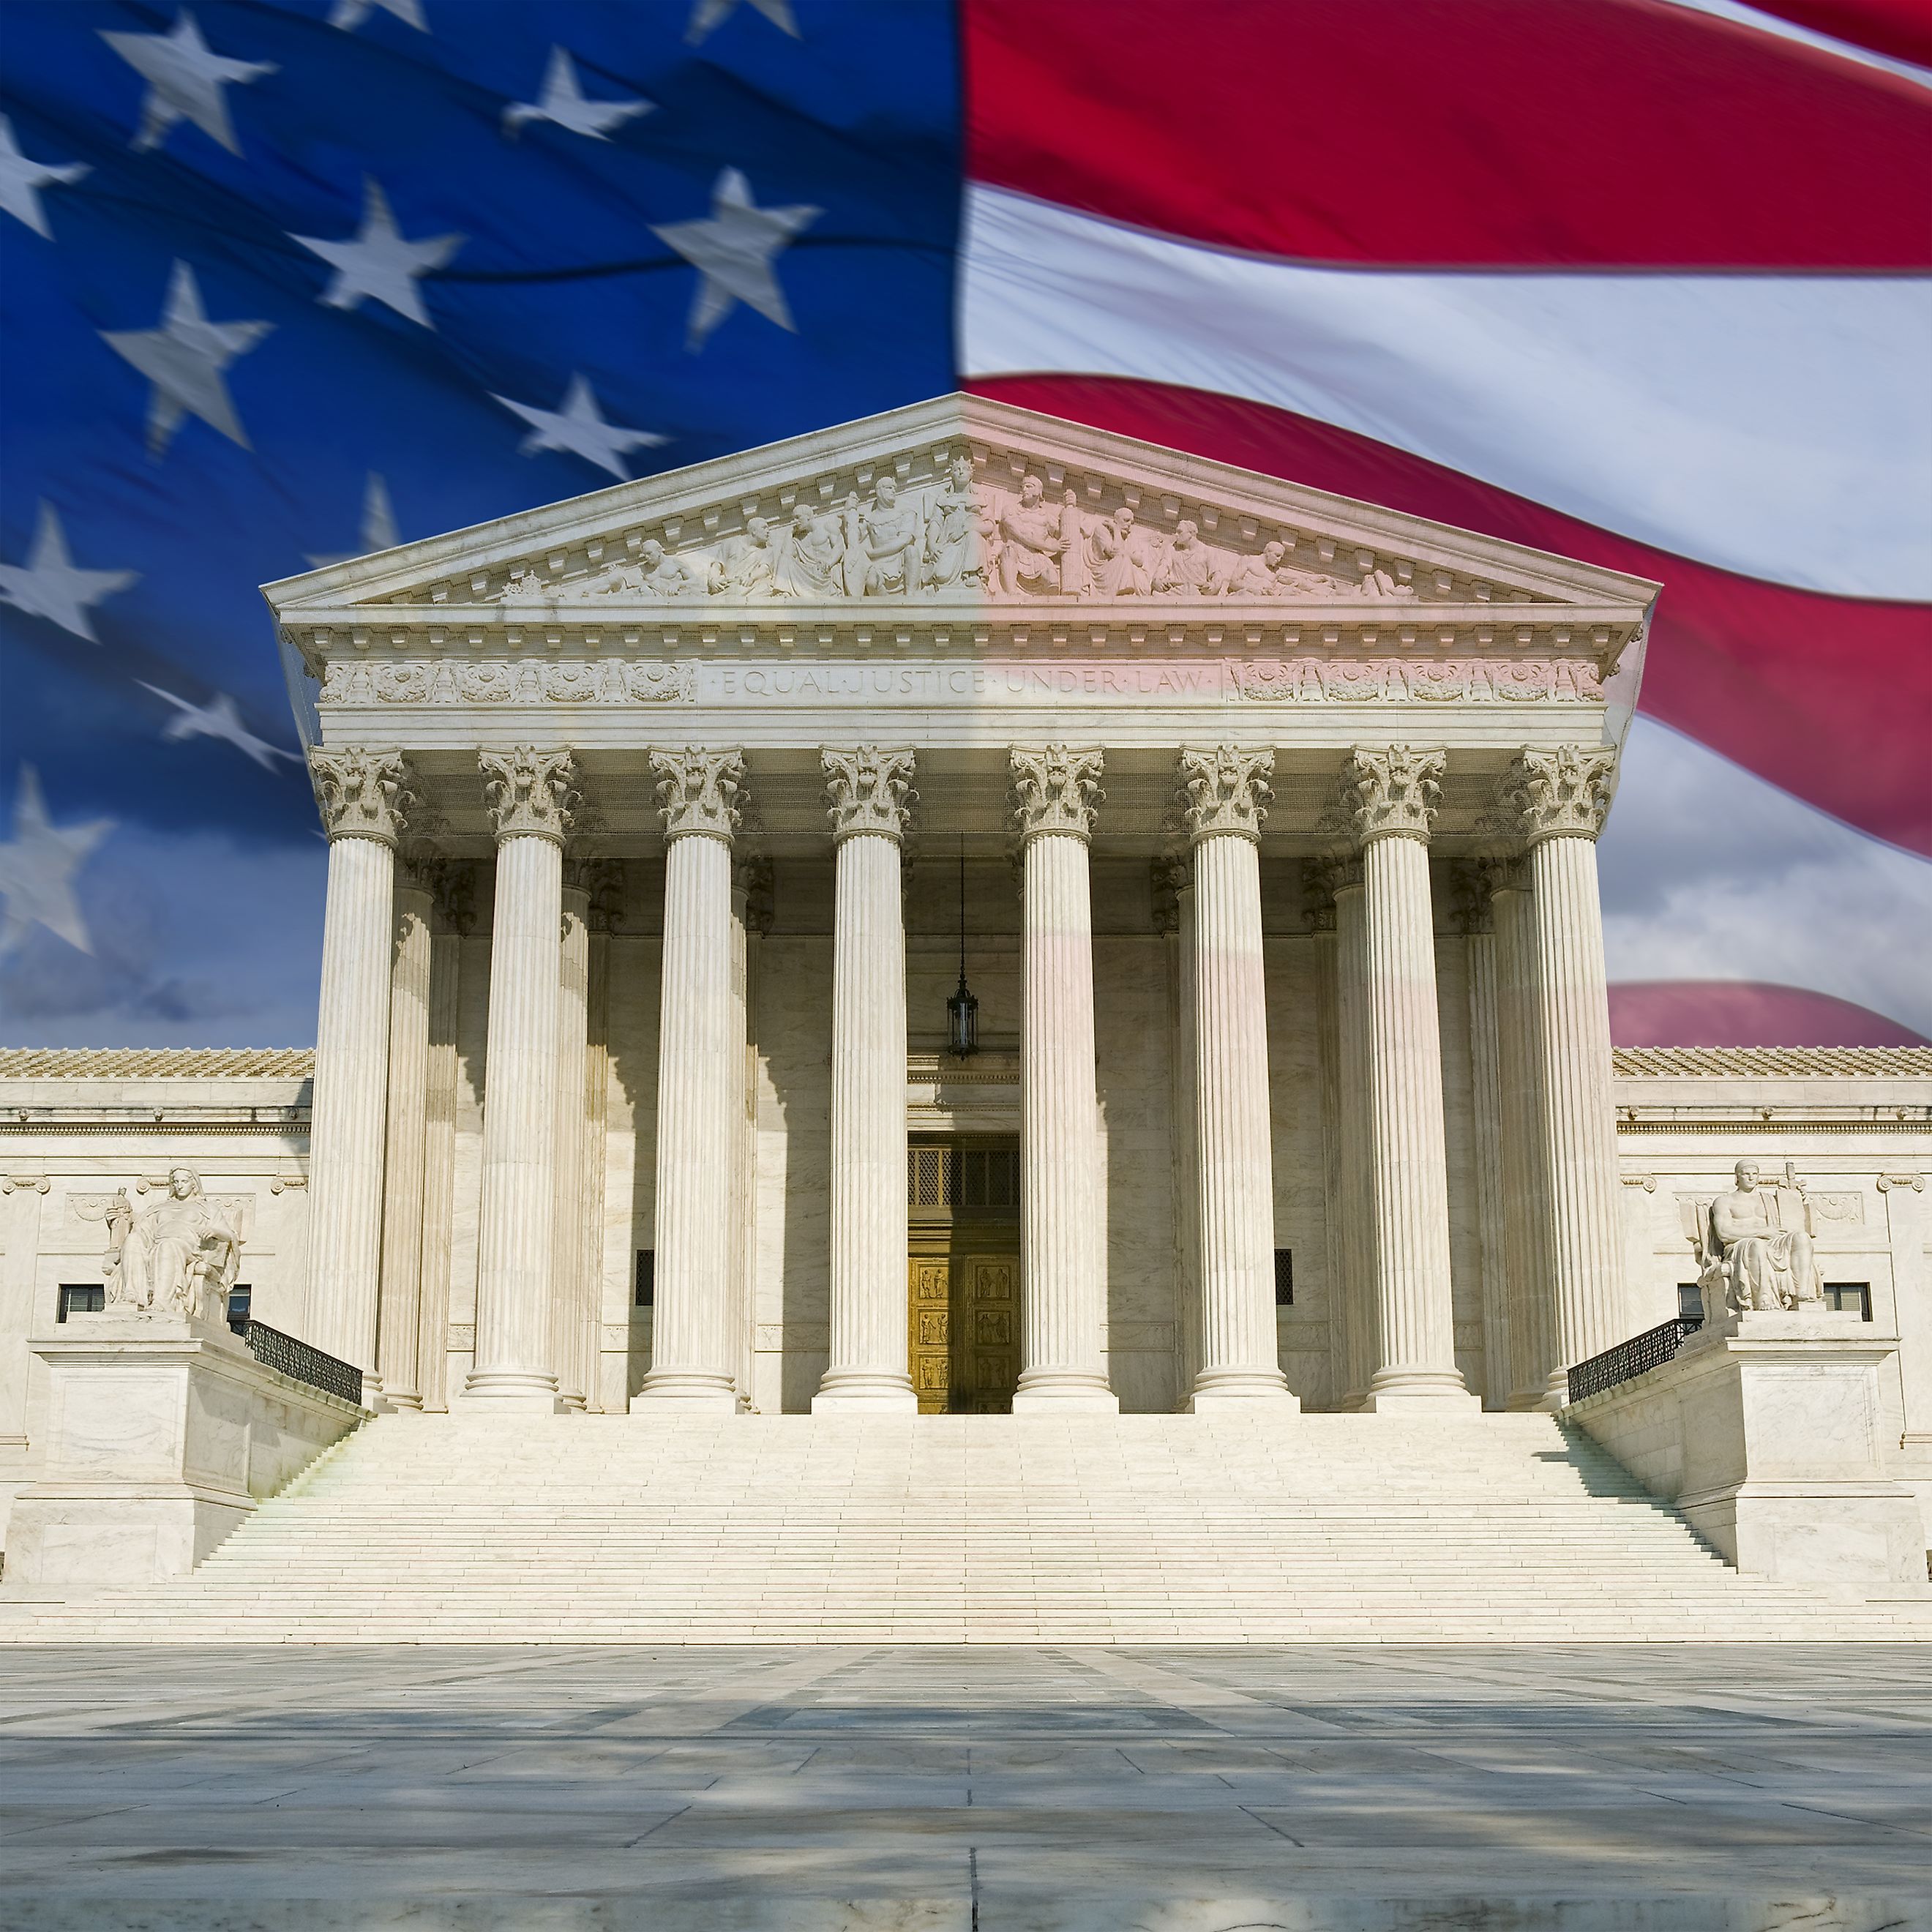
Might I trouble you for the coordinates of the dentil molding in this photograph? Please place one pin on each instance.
(1054, 789)
(869, 790)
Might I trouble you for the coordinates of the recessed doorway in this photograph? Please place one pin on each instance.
(963, 1272)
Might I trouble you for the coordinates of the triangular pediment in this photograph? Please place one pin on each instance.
(957, 502)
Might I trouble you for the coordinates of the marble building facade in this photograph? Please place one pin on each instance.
(656, 820)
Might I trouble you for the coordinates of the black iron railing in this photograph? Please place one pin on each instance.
(1650, 1350)
(298, 1360)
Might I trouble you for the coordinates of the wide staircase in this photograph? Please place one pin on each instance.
(501, 1528)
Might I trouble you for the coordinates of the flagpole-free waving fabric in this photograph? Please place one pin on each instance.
(1645, 281)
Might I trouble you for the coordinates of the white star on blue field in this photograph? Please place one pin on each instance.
(281, 280)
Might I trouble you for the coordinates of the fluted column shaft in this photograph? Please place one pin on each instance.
(697, 1066)
(514, 1233)
(1240, 1361)
(567, 1240)
(1582, 1258)
(397, 1352)
(1518, 1078)
(1060, 1232)
(1354, 1202)
(363, 798)
(1411, 1165)
(868, 1366)
(1486, 1099)
(596, 1127)
(530, 800)
(438, 1194)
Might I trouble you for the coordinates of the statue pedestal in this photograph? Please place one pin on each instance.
(1767, 1432)
(163, 1432)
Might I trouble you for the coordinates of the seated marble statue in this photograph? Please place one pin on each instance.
(747, 565)
(1756, 1250)
(1030, 543)
(883, 550)
(171, 1258)
(1188, 568)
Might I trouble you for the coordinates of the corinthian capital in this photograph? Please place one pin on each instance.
(529, 793)
(1054, 789)
(1391, 793)
(868, 790)
(697, 792)
(1563, 793)
(1225, 790)
(362, 794)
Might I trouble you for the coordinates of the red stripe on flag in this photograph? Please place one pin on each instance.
(1744, 1012)
(1626, 133)
(1826, 696)
(1899, 29)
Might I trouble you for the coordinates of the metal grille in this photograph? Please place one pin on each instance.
(1628, 1359)
(962, 1176)
(300, 1363)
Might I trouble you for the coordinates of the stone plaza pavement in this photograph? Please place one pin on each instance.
(938, 1789)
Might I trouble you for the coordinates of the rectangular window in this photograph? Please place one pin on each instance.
(647, 1277)
(1284, 1277)
(1690, 1301)
(240, 1297)
(1849, 1297)
(83, 1297)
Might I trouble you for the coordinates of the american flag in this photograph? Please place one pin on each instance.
(1642, 281)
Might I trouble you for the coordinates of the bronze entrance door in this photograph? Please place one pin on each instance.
(963, 1273)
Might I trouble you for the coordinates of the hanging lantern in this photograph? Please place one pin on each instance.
(962, 1010)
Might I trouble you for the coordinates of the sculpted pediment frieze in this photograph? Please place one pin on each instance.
(957, 502)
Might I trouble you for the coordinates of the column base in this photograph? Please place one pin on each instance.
(868, 1389)
(1227, 1388)
(1440, 1389)
(1065, 1389)
(688, 1388)
(516, 1388)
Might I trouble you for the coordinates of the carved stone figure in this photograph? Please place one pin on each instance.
(748, 566)
(952, 554)
(1755, 1247)
(813, 565)
(661, 574)
(1188, 568)
(1029, 543)
(169, 1258)
(1076, 551)
(887, 537)
(1124, 556)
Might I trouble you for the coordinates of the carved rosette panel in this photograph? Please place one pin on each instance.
(1563, 793)
(530, 793)
(698, 793)
(1225, 790)
(362, 794)
(1391, 793)
(869, 790)
(1054, 789)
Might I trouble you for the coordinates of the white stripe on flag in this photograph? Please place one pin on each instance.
(1709, 873)
(1781, 426)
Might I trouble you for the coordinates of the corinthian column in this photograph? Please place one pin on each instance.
(530, 800)
(1225, 795)
(1391, 797)
(364, 797)
(1560, 798)
(868, 793)
(398, 1356)
(698, 1069)
(1055, 791)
